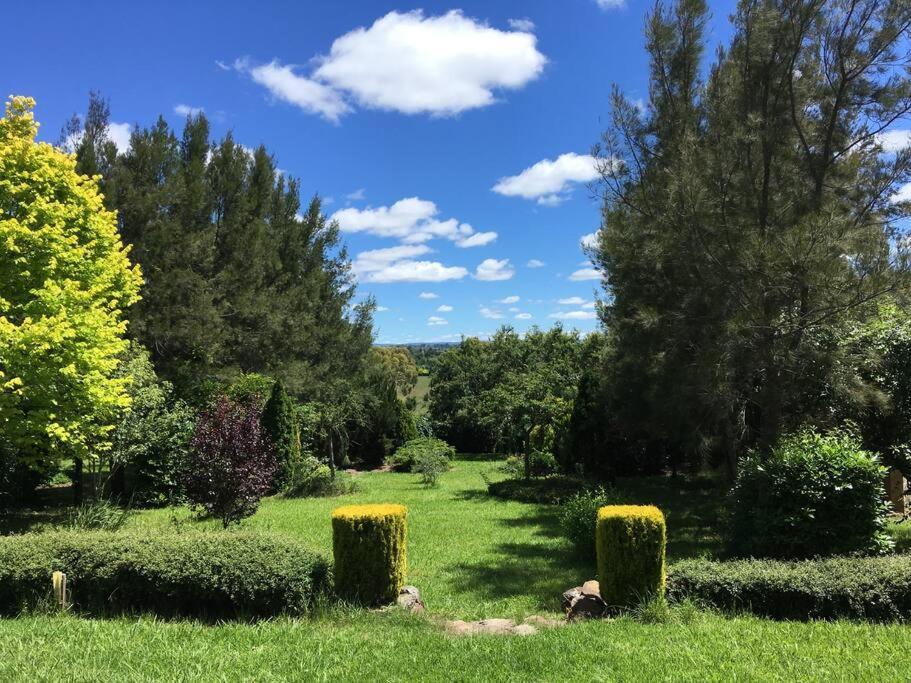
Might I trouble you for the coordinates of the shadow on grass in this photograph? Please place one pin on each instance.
(541, 570)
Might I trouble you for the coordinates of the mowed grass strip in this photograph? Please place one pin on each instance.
(396, 647)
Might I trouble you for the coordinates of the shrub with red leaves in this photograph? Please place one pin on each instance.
(231, 463)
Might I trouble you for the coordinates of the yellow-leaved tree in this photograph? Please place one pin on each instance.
(65, 279)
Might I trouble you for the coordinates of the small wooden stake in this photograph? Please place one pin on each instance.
(58, 579)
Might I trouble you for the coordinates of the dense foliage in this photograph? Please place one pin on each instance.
(240, 277)
(194, 574)
(65, 280)
(813, 495)
(579, 517)
(751, 218)
(873, 588)
(512, 394)
(231, 464)
(151, 440)
(280, 427)
(369, 545)
(405, 458)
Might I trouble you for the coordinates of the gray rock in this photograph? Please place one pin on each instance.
(410, 599)
(591, 588)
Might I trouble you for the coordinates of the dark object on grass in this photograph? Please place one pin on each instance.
(209, 575)
(584, 602)
(549, 490)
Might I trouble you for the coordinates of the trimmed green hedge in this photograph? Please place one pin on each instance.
(198, 574)
(630, 542)
(369, 543)
(871, 588)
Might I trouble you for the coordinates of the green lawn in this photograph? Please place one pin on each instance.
(472, 556)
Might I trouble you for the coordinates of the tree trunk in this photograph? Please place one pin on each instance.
(77, 481)
(331, 458)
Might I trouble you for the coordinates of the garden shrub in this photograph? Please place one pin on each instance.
(230, 464)
(278, 424)
(404, 458)
(579, 516)
(513, 467)
(430, 465)
(197, 574)
(310, 477)
(630, 542)
(542, 463)
(369, 547)
(814, 495)
(872, 588)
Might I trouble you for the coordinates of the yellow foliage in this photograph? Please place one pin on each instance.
(369, 545)
(65, 279)
(630, 542)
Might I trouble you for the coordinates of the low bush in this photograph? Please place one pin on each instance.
(550, 490)
(369, 546)
(871, 588)
(901, 536)
(310, 478)
(630, 542)
(814, 495)
(196, 574)
(404, 459)
(579, 516)
(430, 466)
(542, 463)
(513, 467)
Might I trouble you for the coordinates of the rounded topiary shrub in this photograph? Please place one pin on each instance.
(369, 545)
(630, 543)
(814, 495)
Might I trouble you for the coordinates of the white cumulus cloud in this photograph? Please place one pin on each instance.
(524, 24)
(436, 320)
(494, 269)
(411, 220)
(574, 315)
(894, 140)
(285, 84)
(444, 308)
(549, 181)
(409, 63)
(535, 263)
(589, 241)
(571, 301)
(397, 264)
(903, 194)
(490, 313)
(187, 110)
(610, 4)
(523, 316)
(585, 274)
(428, 295)
(509, 300)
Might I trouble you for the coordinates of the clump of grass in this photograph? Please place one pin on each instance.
(100, 515)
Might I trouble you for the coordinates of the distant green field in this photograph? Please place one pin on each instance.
(420, 393)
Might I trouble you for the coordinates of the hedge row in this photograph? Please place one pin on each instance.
(199, 574)
(870, 588)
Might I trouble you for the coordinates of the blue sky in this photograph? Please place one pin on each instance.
(451, 141)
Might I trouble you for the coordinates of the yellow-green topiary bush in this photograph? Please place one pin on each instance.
(630, 542)
(369, 544)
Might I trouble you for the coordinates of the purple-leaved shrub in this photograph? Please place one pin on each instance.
(231, 463)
